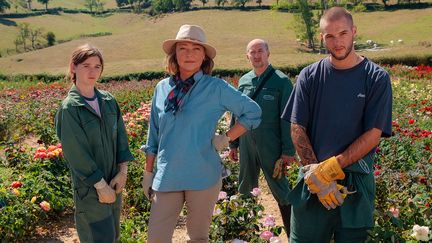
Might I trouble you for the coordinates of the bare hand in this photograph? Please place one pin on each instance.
(233, 154)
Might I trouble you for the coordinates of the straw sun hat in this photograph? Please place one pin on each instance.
(192, 34)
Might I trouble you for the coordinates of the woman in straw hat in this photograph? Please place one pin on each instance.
(185, 111)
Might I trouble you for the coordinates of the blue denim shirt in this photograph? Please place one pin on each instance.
(186, 158)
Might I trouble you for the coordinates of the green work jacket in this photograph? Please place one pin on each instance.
(93, 146)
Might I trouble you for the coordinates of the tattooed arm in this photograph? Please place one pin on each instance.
(302, 144)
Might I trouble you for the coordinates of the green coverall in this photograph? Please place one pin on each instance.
(261, 147)
(93, 146)
(355, 214)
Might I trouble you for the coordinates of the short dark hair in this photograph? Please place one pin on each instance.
(336, 13)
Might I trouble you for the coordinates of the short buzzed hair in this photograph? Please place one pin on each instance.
(334, 14)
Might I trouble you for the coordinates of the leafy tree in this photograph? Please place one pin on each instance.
(182, 5)
(44, 2)
(221, 2)
(18, 3)
(24, 33)
(50, 37)
(163, 6)
(94, 5)
(241, 3)
(17, 42)
(29, 6)
(305, 25)
(4, 5)
(34, 36)
(204, 2)
(121, 3)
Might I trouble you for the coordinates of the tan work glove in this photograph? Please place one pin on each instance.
(282, 165)
(220, 142)
(278, 170)
(105, 193)
(147, 184)
(119, 181)
(330, 196)
(319, 176)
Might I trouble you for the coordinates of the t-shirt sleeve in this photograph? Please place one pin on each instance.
(297, 108)
(378, 113)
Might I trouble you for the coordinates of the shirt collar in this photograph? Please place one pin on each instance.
(78, 100)
(269, 67)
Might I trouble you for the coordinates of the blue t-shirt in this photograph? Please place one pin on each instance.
(338, 106)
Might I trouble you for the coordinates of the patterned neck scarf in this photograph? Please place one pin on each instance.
(176, 95)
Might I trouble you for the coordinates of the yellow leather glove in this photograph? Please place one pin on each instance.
(319, 176)
(119, 181)
(105, 193)
(330, 196)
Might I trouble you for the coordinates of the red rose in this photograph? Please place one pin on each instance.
(16, 184)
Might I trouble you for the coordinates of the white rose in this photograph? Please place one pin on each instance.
(420, 233)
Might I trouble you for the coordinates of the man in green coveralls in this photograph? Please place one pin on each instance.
(340, 108)
(269, 146)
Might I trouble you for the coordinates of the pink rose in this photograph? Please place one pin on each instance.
(266, 235)
(256, 192)
(45, 206)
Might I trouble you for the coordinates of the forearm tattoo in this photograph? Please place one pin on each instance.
(302, 145)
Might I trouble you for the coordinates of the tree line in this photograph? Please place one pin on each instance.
(163, 6)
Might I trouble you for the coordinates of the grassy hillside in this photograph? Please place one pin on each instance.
(135, 43)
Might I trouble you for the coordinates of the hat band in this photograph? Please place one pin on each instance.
(188, 38)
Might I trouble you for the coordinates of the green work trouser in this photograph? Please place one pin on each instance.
(312, 222)
(95, 221)
(260, 150)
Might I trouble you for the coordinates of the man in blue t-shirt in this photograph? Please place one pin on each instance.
(340, 108)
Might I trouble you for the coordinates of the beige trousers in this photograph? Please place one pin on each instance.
(166, 207)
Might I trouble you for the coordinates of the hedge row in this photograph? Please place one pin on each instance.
(291, 71)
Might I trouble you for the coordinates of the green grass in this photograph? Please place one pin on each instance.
(5, 173)
(135, 43)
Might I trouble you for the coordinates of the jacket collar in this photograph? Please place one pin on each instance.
(77, 99)
(269, 67)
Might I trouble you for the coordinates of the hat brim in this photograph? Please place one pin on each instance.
(168, 45)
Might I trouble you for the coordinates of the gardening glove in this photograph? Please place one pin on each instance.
(220, 142)
(319, 176)
(330, 196)
(282, 165)
(278, 169)
(119, 181)
(147, 184)
(105, 193)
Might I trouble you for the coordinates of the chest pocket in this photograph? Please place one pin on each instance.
(91, 126)
(268, 100)
(111, 119)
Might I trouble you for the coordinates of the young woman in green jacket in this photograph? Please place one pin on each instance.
(94, 140)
